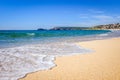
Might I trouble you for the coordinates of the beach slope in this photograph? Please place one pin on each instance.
(102, 64)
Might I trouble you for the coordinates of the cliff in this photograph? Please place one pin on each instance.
(108, 26)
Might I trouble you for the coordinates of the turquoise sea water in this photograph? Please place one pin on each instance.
(26, 51)
(20, 37)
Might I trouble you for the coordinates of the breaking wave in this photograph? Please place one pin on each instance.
(16, 62)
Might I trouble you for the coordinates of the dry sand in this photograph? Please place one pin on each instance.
(103, 64)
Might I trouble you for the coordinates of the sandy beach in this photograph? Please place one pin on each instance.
(102, 64)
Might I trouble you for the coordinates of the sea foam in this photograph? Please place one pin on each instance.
(16, 62)
(30, 34)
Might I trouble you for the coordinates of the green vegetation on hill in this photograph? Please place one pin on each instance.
(99, 27)
(69, 28)
(108, 26)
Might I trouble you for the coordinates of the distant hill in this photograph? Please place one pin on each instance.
(41, 29)
(99, 27)
(69, 28)
(108, 26)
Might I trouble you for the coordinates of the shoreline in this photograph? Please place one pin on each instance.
(31, 62)
(47, 72)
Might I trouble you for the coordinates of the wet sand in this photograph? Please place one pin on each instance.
(102, 64)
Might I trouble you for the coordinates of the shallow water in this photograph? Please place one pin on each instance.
(12, 38)
(17, 61)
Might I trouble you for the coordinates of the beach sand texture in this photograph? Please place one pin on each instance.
(103, 64)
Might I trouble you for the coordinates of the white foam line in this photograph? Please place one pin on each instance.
(18, 61)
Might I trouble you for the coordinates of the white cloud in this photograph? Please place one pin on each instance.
(84, 17)
(99, 19)
(95, 11)
(103, 17)
(118, 17)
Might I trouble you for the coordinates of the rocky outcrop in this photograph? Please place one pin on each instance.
(41, 29)
(108, 26)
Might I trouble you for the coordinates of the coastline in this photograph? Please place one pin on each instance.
(103, 64)
(39, 57)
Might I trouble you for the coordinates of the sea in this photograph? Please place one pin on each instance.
(27, 51)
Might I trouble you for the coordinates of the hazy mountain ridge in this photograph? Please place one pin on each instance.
(99, 27)
(69, 28)
(66, 28)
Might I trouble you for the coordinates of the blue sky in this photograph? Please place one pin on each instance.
(33, 14)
